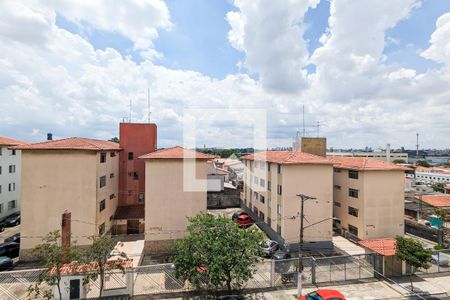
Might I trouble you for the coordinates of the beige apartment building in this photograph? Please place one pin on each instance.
(272, 181)
(175, 189)
(75, 174)
(368, 197)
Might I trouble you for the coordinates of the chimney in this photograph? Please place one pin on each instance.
(49, 136)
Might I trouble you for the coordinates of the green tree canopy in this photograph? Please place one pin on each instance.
(423, 163)
(52, 256)
(412, 252)
(438, 187)
(216, 253)
(399, 161)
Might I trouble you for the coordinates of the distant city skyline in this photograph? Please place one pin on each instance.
(71, 68)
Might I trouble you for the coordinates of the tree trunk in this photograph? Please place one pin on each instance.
(58, 282)
(102, 279)
(411, 281)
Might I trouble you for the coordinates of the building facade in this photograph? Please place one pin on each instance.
(176, 189)
(386, 155)
(10, 181)
(77, 175)
(272, 182)
(368, 197)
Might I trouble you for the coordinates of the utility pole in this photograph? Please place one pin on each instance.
(303, 198)
(417, 147)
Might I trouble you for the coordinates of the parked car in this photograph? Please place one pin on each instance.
(244, 220)
(10, 249)
(270, 247)
(323, 295)
(281, 265)
(14, 238)
(6, 263)
(12, 220)
(236, 215)
(2, 225)
(439, 259)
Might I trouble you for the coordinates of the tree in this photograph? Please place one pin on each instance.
(399, 161)
(114, 139)
(53, 256)
(442, 213)
(217, 253)
(412, 252)
(423, 163)
(98, 254)
(438, 187)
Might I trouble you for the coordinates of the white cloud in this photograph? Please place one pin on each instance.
(439, 49)
(271, 35)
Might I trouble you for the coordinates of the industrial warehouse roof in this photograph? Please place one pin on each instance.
(436, 200)
(287, 157)
(175, 153)
(10, 142)
(363, 164)
(385, 247)
(74, 143)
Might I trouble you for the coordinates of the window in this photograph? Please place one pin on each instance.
(13, 152)
(338, 204)
(353, 193)
(269, 222)
(279, 209)
(261, 198)
(353, 211)
(112, 196)
(102, 181)
(337, 170)
(338, 187)
(102, 157)
(255, 180)
(262, 182)
(353, 174)
(135, 176)
(279, 189)
(353, 230)
(141, 197)
(102, 205)
(12, 204)
(261, 215)
(279, 169)
(101, 229)
(255, 195)
(130, 155)
(255, 210)
(111, 175)
(12, 187)
(112, 154)
(268, 167)
(278, 228)
(12, 169)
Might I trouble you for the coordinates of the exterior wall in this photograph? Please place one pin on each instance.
(314, 145)
(167, 203)
(432, 177)
(375, 155)
(312, 180)
(139, 139)
(110, 192)
(380, 202)
(6, 196)
(57, 180)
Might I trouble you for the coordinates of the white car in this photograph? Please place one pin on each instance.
(270, 247)
(439, 259)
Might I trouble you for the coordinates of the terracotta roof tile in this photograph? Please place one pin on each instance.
(287, 157)
(74, 143)
(10, 142)
(363, 163)
(175, 153)
(436, 200)
(385, 247)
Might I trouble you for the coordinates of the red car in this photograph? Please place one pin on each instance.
(244, 220)
(323, 295)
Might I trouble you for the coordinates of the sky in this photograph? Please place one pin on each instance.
(371, 72)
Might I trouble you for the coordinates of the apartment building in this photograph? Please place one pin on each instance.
(77, 175)
(10, 167)
(386, 155)
(272, 181)
(176, 188)
(368, 197)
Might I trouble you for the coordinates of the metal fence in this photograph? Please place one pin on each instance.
(439, 262)
(158, 279)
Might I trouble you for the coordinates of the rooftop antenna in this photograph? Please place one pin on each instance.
(148, 104)
(304, 131)
(318, 125)
(417, 147)
(129, 120)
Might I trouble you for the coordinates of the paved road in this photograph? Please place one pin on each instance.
(9, 231)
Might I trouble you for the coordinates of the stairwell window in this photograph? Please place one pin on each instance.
(353, 174)
(102, 205)
(353, 230)
(130, 155)
(353, 211)
(102, 181)
(279, 169)
(353, 193)
(261, 198)
(279, 189)
(102, 157)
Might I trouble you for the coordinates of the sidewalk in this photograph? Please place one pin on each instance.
(430, 284)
